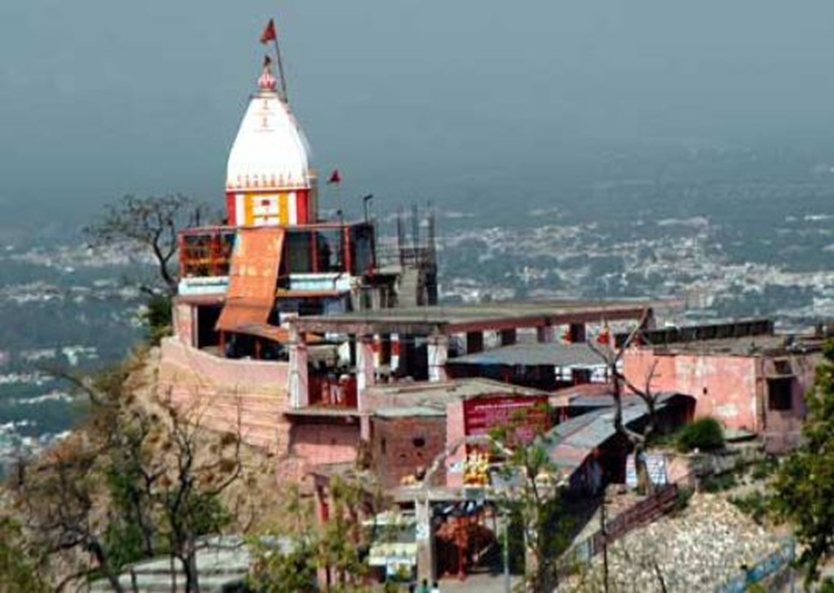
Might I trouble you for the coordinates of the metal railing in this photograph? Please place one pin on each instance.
(776, 564)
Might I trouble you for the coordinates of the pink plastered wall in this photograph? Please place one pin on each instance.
(783, 428)
(183, 318)
(725, 387)
(227, 395)
(244, 375)
(319, 444)
(455, 433)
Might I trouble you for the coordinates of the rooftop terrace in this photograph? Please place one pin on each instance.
(492, 316)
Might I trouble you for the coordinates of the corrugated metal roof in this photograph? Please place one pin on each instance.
(454, 389)
(603, 398)
(555, 354)
(253, 278)
(568, 444)
(262, 330)
(408, 411)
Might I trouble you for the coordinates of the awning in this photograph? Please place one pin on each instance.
(253, 278)
(384, 554)
(262, 330)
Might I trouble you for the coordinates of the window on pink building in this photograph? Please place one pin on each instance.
(780, 394)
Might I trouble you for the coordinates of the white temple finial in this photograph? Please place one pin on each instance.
(267, 82)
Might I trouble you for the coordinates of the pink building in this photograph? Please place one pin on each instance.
(754, 383)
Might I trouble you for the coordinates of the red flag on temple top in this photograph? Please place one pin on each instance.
(269, 33)
(334, 177)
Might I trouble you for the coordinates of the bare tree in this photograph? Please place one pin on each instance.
(59, 506)
(188, 496)
(149, 224)
(141, 480)
(612, 355)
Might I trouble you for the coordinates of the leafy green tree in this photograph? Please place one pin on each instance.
(18, 562)
(287, 556)
(342, 544)
(532, 501)
(286, 568)
(535, 505)
(804, 483)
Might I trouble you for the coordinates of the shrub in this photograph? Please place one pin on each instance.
(682, 498)
(714, 484)
(764, 469)
(157, 318)
(754, 504)
(704, 434)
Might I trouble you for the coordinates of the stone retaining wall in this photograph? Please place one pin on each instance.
(226, 395)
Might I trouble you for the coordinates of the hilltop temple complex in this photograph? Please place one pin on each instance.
(326, 345)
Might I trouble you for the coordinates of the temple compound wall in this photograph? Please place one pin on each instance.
(226, 395)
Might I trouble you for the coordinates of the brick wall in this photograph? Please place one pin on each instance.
(402, 446)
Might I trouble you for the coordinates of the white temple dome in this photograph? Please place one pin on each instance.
(270, 150)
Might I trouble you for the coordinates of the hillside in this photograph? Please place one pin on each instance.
(134, 462)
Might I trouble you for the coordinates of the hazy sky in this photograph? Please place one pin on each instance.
(103, 97)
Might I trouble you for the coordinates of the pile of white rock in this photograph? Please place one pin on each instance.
(701, 549)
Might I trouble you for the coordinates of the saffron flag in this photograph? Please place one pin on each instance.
(269, 33)
(334, 177)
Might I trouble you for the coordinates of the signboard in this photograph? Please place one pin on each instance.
(523, 417)
(656, 466)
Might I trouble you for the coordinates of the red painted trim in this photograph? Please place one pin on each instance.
(302, 205)
(231, 211)
(181, 248)
(348, 267)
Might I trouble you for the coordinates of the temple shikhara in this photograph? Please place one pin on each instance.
(322, 340)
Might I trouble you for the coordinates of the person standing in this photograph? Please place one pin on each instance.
(424, 587)
(435, 587)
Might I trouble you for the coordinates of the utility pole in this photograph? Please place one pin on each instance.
(365, 201)
(507, 584)
(602, 520)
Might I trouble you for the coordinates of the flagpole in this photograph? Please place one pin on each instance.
(281, 69)
(341, 206)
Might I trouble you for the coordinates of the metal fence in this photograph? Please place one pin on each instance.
(645, 511)
(771, 567)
